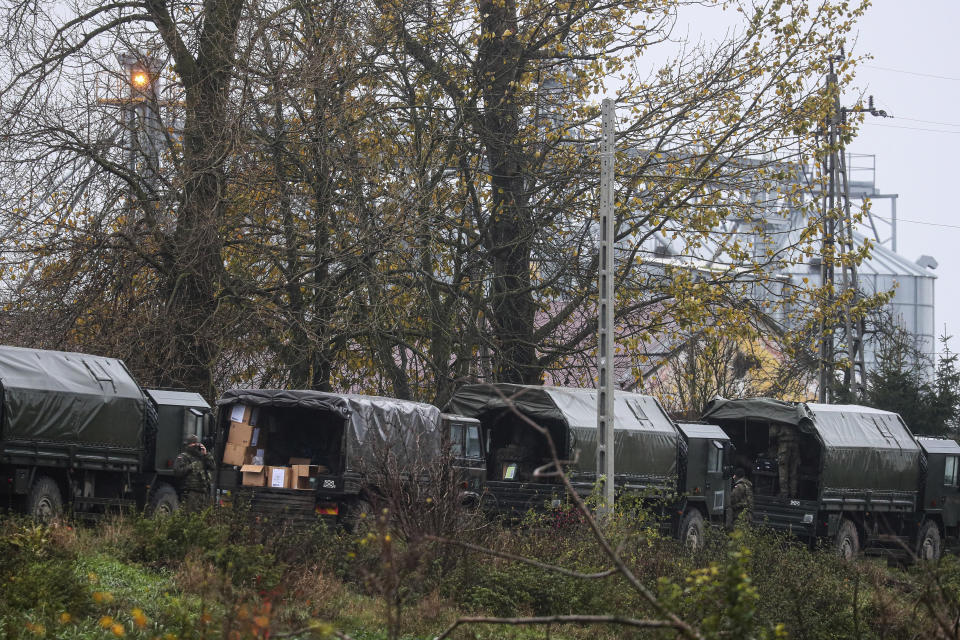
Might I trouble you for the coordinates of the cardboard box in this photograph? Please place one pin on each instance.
(234, 454)
(278, 477)
(253, 475)
(299, 461)
(245, 435)
(301, 474)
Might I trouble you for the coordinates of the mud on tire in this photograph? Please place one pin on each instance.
(692, 530)
(929, 544)
(163, 501)
(848, 540)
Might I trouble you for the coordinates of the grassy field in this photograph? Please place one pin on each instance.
(220, 575)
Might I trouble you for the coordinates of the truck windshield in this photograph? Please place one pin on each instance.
(456, 439)
(193, 423)
(950, 471)
(715, 462)
(473, 443)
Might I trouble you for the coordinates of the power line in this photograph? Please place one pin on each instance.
(946, 124)
(923, 222)
(894, 126)
(914, 73)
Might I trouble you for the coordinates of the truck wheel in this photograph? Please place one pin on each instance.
(692, 530)
(164, 501)
(928, 542)
(44, 502)
(848, 540)
(359, 514)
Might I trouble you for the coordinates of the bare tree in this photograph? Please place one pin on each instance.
(167, 219)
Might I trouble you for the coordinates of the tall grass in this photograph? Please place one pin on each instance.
(220, 574)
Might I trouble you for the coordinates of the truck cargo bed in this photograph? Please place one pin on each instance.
(288, 505)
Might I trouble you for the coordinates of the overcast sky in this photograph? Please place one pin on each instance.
(914, 75)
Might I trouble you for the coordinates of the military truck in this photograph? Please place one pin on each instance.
(653, 456)
(864, 481)
(330, 445)
(77, 431)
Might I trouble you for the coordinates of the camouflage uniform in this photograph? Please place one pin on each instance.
(741, 499)
(196, 470)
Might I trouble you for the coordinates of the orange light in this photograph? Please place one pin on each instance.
(140, 79)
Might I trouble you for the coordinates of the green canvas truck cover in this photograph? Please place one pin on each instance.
(69, 398)
(862, 448)
(645, 438)
(410, 428)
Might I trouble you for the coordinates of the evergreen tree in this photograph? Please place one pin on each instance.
(944, 400)
(899, 383)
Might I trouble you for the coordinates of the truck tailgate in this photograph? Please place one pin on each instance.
(798, 517)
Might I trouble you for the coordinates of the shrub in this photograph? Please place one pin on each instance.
(166, 541)
(38, 575)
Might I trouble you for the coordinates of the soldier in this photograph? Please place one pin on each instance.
(195, 466)
(788, 459)
(741, 498)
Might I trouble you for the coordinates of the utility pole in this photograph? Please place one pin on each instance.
(838, 230)
(605, 350)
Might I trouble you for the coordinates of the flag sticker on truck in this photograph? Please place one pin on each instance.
(329, 484)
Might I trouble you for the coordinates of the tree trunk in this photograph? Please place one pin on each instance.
(509, 233)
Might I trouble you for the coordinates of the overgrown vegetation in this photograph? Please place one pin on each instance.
(220, 575)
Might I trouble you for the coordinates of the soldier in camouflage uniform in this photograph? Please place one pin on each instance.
(195, 468)
(741, 498)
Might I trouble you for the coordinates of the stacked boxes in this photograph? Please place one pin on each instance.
(245, 441)
(245, 448)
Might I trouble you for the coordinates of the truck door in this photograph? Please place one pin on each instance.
(715, 486)
(951, 496)
(468, 459)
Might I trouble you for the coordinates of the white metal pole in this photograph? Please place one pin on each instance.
(605, 351)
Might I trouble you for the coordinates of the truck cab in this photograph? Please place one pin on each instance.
(705, 475)
(940, 496)
(179, 414)
(468, 453)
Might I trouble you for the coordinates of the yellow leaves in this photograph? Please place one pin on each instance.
(139, 618)
(36, 629)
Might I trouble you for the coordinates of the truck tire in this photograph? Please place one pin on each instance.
(928, 542)
(692, 530)
(359, 514)
(848, 540)
(44, 502)
(164, 501)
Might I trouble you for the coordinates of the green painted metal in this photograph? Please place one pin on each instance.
(646, 439)
(859, 449)
(69, 399)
